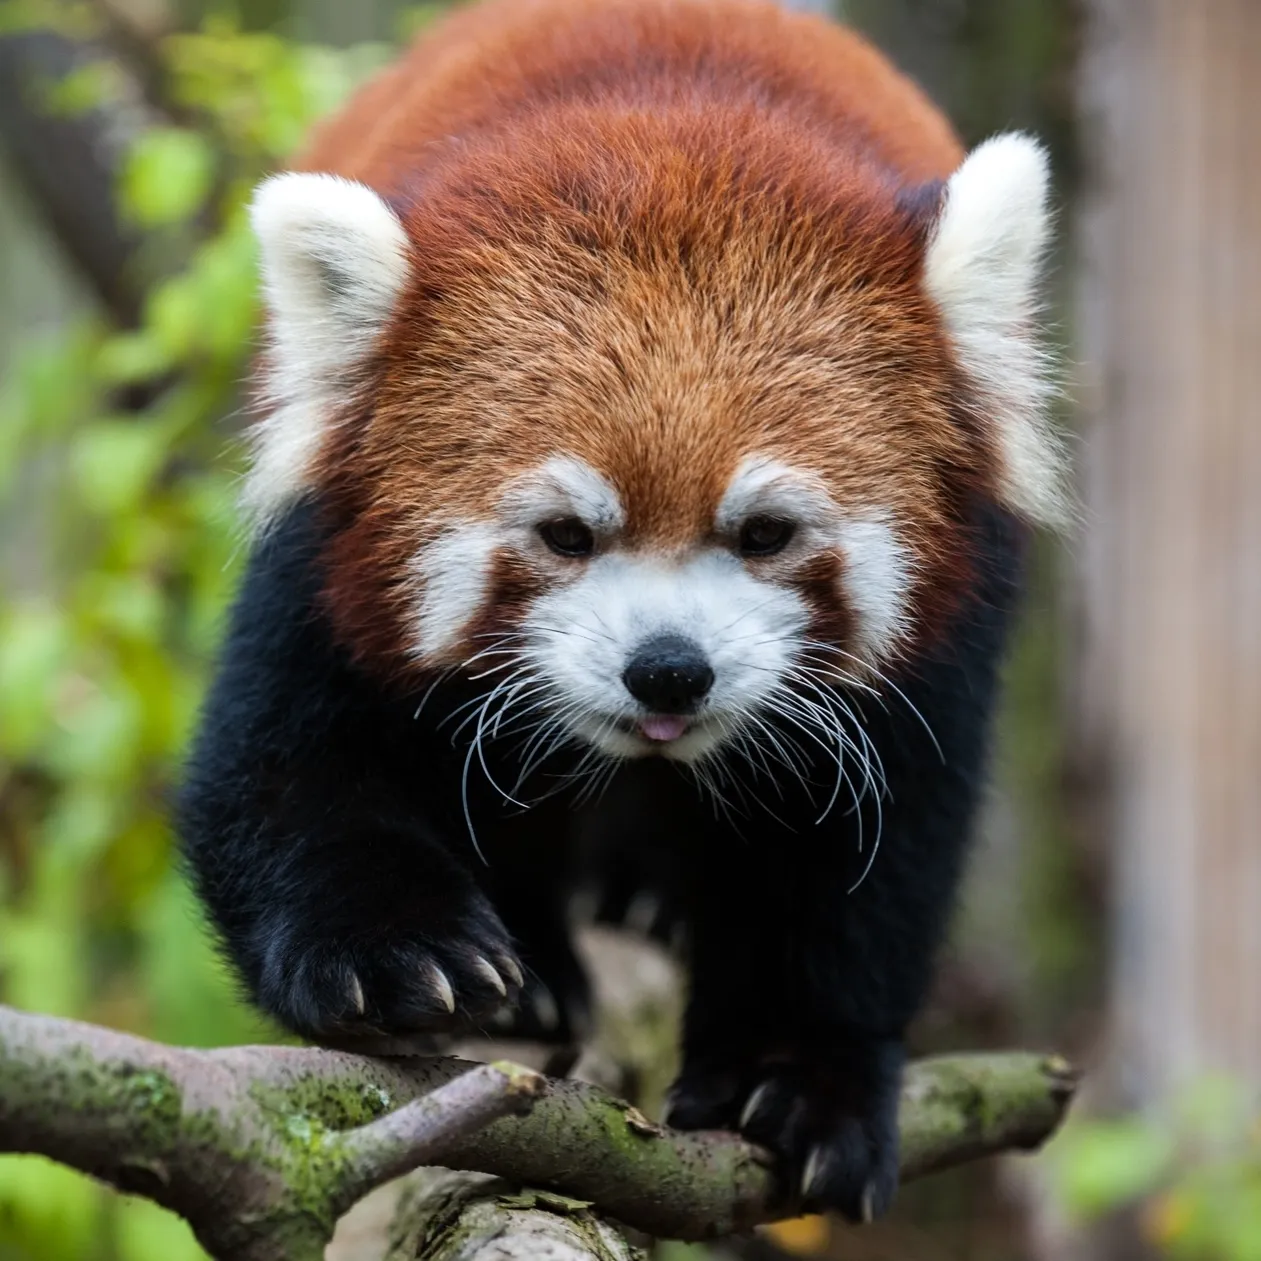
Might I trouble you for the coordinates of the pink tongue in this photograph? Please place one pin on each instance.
(664, 727)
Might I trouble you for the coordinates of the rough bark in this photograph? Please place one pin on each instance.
(262, 1148)
(446, 1216)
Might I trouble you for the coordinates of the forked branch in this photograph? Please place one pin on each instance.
(262, 1148)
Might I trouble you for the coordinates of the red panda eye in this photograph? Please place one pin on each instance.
(568, 537)
(765, 536)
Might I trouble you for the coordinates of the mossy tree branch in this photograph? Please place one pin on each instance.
(262, 1148)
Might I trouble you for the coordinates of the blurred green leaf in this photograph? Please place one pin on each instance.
(47, 1212)
(1215, 1109)
(34, 646)
(22, 15)
(1104, 1164)
(115, 460)
(148, 1233)
(129, 358)
(194, 999)
(51, 383)
(85, 88)
(167, 176)
(78, 829)
(41, 955)
(99, 736)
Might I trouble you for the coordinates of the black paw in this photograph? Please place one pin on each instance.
(347, 987)
(831, 1120)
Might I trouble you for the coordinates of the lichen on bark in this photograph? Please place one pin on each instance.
(263, 1148)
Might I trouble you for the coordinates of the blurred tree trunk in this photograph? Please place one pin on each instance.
(67, 165)
(1169, 675)
(1166, 711)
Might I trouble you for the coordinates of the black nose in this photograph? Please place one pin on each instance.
(669, 674)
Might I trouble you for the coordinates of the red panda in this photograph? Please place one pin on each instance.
(653, 403)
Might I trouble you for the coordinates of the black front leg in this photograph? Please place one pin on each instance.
(530, 879)
(350, 929)
(320, 825)
(381, 935)
(801, 995)
(812, 954)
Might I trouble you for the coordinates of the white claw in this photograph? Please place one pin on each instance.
(356, 995)
(446, 995)
(545, 1009)
(755, 1101)
(813, 1170)
(509, 965)
(486, 970)
(869, 1203)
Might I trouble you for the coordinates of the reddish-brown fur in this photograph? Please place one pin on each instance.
(659, 235)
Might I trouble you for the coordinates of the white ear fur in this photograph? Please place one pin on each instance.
(982, 268)
(333, 259)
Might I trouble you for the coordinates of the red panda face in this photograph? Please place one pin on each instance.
(654, 646)
(661, 465)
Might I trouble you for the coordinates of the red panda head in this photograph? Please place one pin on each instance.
(658, 439)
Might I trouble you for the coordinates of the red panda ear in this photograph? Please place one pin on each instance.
(982, 266)
(333, 259)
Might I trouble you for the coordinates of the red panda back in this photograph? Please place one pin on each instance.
(493, 62)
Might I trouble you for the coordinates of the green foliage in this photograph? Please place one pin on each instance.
(94, 84)
(117, 478)
(258, 91)
(1192, 1174)
(168, 176)
(1113, 1162)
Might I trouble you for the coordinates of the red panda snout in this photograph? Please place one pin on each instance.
(639, 649)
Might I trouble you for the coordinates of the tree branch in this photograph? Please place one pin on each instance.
(423, 1131)
(261, 1148)
(69, 164)
(445, 1216)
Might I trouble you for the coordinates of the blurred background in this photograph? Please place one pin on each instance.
(1114, 908)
